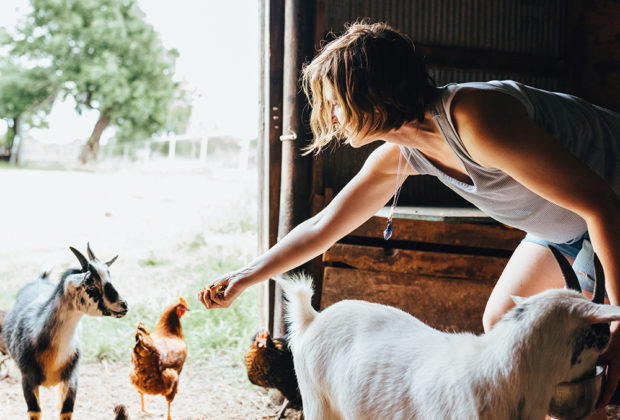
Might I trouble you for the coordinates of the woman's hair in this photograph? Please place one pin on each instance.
(375, 76)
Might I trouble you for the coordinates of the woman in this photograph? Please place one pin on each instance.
(543, 162)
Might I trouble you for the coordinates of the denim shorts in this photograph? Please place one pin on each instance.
(581, 250)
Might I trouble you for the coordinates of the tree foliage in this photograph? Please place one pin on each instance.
(109, 59)
(25, 94)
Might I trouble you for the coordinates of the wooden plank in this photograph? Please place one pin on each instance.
(444, 303)
(492, 236)
(441, 264)
(438, 214)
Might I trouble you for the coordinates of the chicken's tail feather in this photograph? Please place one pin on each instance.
(298, 291)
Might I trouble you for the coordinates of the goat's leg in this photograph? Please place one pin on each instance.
(2, 363)
(31, 395)
(67, 392)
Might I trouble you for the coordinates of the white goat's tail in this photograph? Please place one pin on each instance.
(298, 291)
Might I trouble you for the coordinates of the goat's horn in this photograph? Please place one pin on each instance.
(80, 257)
(91, 255)
(570, 278)
(109, 263)
(599, 282)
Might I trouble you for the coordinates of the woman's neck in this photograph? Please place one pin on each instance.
(420, 135)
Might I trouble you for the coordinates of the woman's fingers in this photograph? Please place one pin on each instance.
(216, 295)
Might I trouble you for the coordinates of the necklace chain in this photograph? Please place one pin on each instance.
(401, 174)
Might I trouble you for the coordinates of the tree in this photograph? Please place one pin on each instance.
(109, 58)
(24, 93)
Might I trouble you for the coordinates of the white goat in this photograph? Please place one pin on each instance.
(41, 333)
(360, 360)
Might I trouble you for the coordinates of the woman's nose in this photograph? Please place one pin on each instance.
(334, 117)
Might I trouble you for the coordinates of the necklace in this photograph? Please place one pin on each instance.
(400, 178)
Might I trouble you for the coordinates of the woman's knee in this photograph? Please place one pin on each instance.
(493, 312)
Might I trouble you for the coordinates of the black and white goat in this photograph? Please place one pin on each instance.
(41, 330)
(360, 360)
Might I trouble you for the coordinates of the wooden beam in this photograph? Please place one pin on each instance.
(485, 269)
(468, 59)
(490, 236)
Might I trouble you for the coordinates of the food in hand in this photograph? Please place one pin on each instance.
(220, 289)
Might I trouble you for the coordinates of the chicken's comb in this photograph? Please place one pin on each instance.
(183, 301)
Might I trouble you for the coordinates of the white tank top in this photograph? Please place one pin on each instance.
(590, 132)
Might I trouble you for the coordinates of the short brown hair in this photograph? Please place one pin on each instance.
(377, 78)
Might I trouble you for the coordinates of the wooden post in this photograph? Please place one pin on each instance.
(269, 160)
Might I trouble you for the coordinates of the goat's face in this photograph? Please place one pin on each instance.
(92, 290)
(575, 326)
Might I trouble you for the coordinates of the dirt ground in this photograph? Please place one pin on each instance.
(207, 391)
(137, 212)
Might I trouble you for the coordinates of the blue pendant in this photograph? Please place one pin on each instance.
(387, 233)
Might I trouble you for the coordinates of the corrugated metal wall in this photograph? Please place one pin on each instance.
(518, 26)
(529, 28)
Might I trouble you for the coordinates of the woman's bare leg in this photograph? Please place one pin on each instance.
(531, 269)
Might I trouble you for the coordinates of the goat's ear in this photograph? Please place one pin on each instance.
(109, 263)
(518, 300)
(80, 257)
(74, 280)
(603, 313)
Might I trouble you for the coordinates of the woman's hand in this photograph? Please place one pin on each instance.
(222, 292)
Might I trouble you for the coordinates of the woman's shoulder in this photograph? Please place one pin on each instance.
(488, 97)
(471, 101)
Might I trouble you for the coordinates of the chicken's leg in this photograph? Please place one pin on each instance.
(169, 418)
(286, 404)
(142, 405)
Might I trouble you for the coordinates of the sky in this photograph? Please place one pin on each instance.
(218, 62)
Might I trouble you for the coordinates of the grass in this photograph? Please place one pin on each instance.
(152, 260)
(207, 333)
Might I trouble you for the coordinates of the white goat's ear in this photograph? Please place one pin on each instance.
(518, 300)
(603, 313)
(74, 280)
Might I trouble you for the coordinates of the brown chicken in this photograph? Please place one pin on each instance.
(158, 356)
(269, 363)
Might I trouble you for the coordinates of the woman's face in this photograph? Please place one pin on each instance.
(338, 117)
(337, 112)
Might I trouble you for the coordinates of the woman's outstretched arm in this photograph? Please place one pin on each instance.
(359, 200)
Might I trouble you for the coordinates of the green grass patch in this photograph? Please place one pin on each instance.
(151, 261)
(197, 243)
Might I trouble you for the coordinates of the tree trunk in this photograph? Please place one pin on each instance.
(15, 142)
(90, 149)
